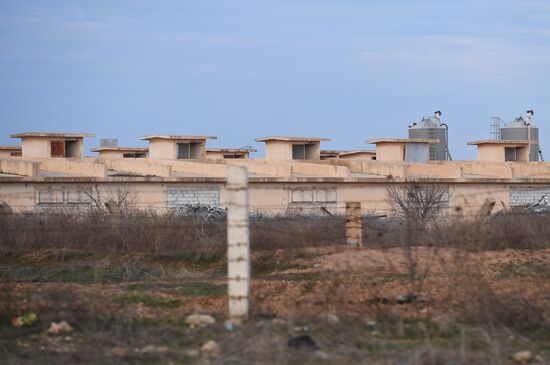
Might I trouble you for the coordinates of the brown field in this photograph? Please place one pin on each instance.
(127, 295)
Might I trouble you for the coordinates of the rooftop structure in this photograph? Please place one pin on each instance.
(221, 153)
(121, 152)
(292, 148)
(58, 145)
(358, 155)
(10, 151)
(177, 147)
(433, 128)
(330, 154)
(523, 128)
(415, 150)
(503, 151)
(348, 155)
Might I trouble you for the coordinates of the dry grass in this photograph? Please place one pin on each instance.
(480, 287)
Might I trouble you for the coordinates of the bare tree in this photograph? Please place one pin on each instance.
(117, 198)
(417, 202)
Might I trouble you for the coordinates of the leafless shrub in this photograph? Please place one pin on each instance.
(117, 198)
(417, 202)
(159, 232)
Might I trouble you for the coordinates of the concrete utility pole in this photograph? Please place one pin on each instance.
(238, 243)
(354, 224)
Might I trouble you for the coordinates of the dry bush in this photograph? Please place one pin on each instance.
(288, 231)
(473, 297)
(150, 231)
(417, 202)
(139, 231)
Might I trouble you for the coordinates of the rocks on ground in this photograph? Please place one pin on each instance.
(302, 342)
(199, 320)
(119, 351)
(153, 350)
(522, 357)
(211, 348)
(61, 327)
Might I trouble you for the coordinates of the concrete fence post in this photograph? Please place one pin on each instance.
(354, 224)
(238, 246)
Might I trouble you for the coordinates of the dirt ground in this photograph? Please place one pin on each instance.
(412, 306)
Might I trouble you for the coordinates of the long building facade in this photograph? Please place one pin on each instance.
(291, 179)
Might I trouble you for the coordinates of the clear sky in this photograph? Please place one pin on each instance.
(343, 69)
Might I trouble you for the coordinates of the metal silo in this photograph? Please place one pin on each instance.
(523, 129)
(433, 128)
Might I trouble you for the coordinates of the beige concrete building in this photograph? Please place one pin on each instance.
(57, 145)
(173, 147)
(364, 155)
(10, 151)
(121, 152)
(504, 151)
(234, 153)
(292, 148)
(405, 149)
(293, 177)
(330, 154)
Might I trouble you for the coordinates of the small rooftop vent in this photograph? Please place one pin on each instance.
(113, 142)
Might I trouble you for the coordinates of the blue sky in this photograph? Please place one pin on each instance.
(347, 70)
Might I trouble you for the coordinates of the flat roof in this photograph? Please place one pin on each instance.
(292, 139)
(357, 152)
(132, 149)
(176, 137)
(501, 142)
(402, 140)
(52, 135)
(232, 150)
(4, 148)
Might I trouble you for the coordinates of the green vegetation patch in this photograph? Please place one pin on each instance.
(192, 258)
(148, 300)
(73, 273)
(201, 289)
(191, 289)
(538, 269)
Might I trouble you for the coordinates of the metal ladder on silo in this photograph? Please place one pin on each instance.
(432, 147)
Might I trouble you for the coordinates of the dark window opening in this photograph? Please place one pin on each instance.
(71, 149)
(298, 151)
(233, 155)
(304, 151)
(16, 154)
(189, 151)
(510, 154)
(133, 155)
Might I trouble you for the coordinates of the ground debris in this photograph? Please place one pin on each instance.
(199, 319)
(119, 351)
(302, 342)
(60, 327)
(211, 348)
(153, 350)
(522, 357)
(412, 298)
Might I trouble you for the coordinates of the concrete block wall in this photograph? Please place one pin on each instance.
(181, 196)
(521, 196)
(139, 167)
(206, 169)
(76, 167)
(19, 167)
